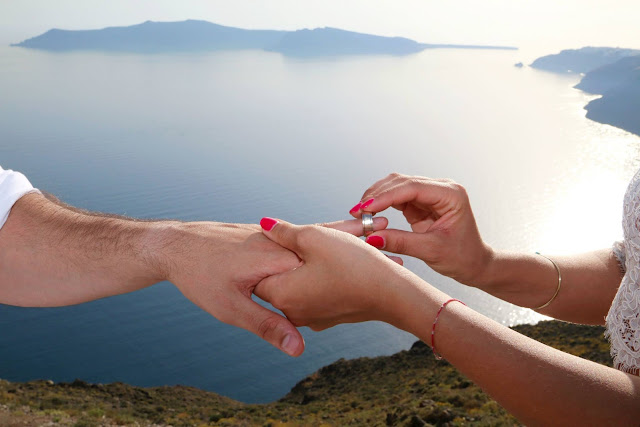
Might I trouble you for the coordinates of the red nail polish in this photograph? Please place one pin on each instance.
(268, 223)
(375, 241)
(356, 208)
(366, 204)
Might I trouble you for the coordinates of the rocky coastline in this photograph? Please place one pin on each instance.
(613, 73)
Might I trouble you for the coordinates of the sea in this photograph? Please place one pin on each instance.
(237, 135)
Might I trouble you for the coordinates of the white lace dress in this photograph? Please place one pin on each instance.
(623, 320)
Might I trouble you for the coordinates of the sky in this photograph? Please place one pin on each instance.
(536, 26)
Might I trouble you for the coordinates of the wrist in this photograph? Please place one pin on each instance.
(487, 267)
(413, 304)
(163, 242)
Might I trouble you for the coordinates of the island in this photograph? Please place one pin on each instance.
(200, 36)
(613, 73)
(409, 388)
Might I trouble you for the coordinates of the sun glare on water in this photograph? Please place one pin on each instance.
(588, 203)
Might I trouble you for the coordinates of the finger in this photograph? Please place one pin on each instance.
(270, 326)
(419, 217)
(398, 241)
(354, 226)
(356, 211)
(396, 259)
(439, 196)
(278, 290)
(381, 183)
(281, 232)
(272, 287)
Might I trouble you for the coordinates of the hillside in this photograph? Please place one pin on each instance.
(619, 85)
(409, 388)
(622, 72)
(619, 107)
(333, 41)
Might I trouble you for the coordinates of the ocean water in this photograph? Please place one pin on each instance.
(234, 136)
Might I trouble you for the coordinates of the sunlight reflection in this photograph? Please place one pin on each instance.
(588, 202)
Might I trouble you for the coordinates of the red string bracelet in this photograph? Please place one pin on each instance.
(433, 328)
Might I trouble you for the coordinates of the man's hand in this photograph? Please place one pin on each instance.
(52, 254)
(217, 266)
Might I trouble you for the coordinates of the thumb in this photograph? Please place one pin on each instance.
(398, 241)
(270, 326)
(281, 232)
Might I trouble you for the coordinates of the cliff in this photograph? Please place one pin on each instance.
(619, 107)
(409, 388)
(613, 73)
(624, 71)
(582, 60)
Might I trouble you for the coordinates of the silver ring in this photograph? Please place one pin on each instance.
(367, 223)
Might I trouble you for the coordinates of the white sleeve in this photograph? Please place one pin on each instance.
(13, 185)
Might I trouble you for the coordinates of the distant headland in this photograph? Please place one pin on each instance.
(611, 72)
(199, 36)
(582, 60)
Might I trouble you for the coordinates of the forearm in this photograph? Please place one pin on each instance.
(536, 383)
(589, 283)
(52, 255)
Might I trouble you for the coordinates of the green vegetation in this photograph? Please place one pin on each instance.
(409, 388)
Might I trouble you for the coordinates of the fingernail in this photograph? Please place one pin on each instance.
(375, 241)
(356, 208)
(289, 345)
(366, 204)
(268, 223)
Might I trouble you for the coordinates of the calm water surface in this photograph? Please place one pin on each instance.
(235, 136)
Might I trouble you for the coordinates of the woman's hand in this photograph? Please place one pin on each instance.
(341, 280)
(445, 234)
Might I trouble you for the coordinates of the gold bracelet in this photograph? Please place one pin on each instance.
(559, 282)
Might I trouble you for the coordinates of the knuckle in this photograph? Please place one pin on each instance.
(458, 187)
(400, 245)
(400, 178)
(367, 194)
(285, 234)
(461, 192)
(415, 180)
(265, 326)
(305, 237)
